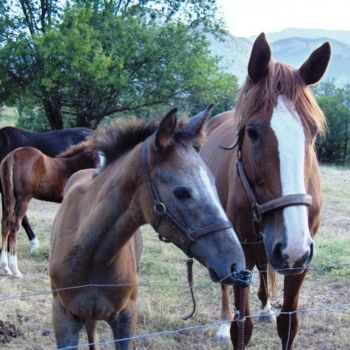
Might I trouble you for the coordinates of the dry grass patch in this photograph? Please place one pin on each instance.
(164, 296)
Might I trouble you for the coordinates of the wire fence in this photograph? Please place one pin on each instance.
(338, 308)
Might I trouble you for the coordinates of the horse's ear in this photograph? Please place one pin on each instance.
(195, 125)
(315, 66)
(165, 130)
(260, 58)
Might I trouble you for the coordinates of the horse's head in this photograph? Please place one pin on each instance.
(279, 121)
(182, 201)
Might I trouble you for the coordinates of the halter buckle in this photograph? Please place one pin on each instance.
(159, 208)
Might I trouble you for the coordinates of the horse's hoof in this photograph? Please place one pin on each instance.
(6, 270)
(223, 334)
(267, 316)
(34, 245)
(18, 274)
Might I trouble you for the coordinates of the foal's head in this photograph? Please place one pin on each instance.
(180, 198)
(279, 119)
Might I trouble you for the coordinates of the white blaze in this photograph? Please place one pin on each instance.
(213, 195)
(290, 136)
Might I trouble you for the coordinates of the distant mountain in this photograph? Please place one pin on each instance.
(234, 53)
(338, 35)
(289, 49)
(295, 51)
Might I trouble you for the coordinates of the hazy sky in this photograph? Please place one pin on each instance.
(250, 17)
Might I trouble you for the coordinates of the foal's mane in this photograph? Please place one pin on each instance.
(84, 146)
(281, 79)
(122, 136)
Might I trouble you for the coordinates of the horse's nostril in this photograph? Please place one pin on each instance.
(278, 255)
(234, 268)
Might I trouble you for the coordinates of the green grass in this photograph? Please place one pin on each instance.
(162, 306)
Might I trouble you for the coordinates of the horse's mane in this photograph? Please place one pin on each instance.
(122, 136)
(125, 134)
(11, 135)
(284, 80)
(71, 151)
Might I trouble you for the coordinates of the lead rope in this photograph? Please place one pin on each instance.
(241, 318)
(189, 264)
(243, 280)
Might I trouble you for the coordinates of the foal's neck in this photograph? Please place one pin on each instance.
(116, 213)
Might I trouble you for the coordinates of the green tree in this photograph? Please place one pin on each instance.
(335, 103)
(96, 58)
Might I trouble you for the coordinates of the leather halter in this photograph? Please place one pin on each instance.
(259, 210)
(161, 211)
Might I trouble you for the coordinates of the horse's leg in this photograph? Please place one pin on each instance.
(248, 324)
(90, 327)
(5, 231)
(66, 326)
(223, 334)
(266, 314)
(33, 240)
(287, 324)
(123, 325)
(19, 212)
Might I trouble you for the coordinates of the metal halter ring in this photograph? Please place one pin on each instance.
(159, 207)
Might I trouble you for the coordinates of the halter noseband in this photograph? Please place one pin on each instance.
(161, 211)
(259, 210)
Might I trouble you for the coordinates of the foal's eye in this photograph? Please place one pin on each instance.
(252, 132)
(182, 193)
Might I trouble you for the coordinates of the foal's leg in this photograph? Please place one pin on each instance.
(248, 324)
(5, 231)
(66, 326)
(33, 240)
(19, 212)
(226, 314)
(287, 324)
(124, 324)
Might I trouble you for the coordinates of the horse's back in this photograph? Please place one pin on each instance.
(50, 142)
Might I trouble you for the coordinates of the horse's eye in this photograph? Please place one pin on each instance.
(252, 132)
(182, 193)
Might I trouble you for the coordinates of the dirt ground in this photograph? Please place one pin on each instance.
(25, 305)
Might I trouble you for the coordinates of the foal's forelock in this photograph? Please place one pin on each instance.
(289, 132)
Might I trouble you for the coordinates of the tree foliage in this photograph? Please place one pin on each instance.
(335, 103)
(91, 59)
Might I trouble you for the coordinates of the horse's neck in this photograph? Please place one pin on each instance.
(115, 212)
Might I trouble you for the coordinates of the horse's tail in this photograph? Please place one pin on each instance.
(271, 280)
(6, 176)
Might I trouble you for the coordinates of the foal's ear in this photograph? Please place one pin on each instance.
(260, 58)
(165, 130)
(315, 66)
(195, 125)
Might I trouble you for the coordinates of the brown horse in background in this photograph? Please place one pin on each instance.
(50, 143)
(28, 173)
(153, 175)
(266, 185)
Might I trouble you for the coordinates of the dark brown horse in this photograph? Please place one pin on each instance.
(50, 143)
(152, 175)
(27, 173)
(266, 183)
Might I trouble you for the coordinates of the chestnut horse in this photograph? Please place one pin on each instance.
(27, 173)
(50, 143)
(153, 175)
(269, 185)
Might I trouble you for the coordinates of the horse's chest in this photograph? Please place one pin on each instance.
(98, 303)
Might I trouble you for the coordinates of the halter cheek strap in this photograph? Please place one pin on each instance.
(161, 211)
(259, 210)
